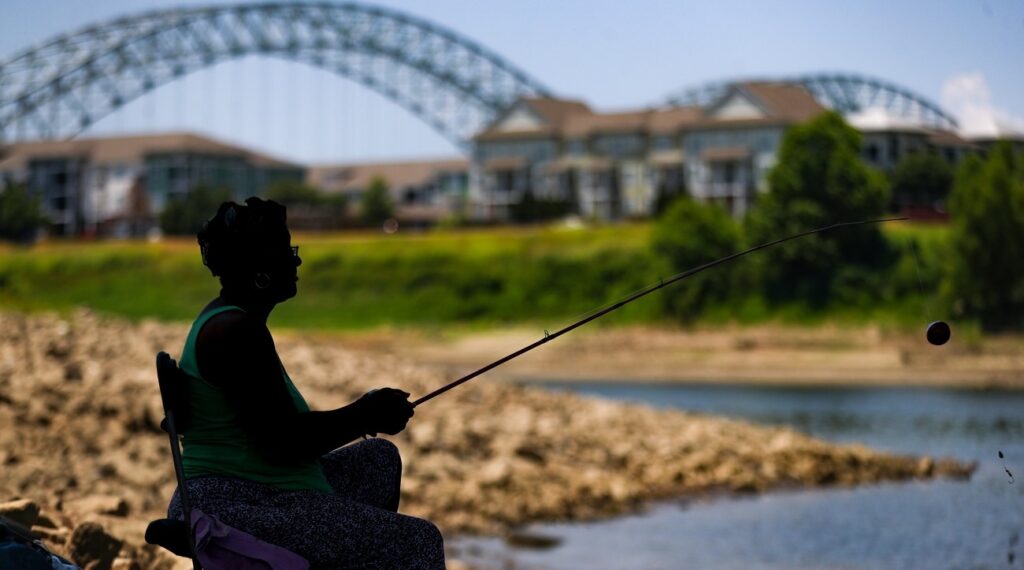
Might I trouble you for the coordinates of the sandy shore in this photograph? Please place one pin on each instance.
(772, 355)
(80, 443)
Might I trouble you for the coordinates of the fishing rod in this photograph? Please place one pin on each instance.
(642, 292)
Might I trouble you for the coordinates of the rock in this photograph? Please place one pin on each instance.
(73, 371)
(91, 547)
(22, 511)
(98, 505)
(56, 536)
(925, 467)
(531, 540)
(45, 521)
(125, 564)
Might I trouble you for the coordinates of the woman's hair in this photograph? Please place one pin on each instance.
(232, 241)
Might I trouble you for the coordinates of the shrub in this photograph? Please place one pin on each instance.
(20, 215)
(377, 205)
(921, 179)
(689, 234)
(820, 180)
(987, 208)
(186, 215)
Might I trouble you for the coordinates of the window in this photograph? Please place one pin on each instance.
(729, 174)
(871, 152)
(505, 180)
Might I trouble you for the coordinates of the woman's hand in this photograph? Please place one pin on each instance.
(385, 410)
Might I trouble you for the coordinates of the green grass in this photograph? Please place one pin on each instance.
(478, 278)
(353, 280)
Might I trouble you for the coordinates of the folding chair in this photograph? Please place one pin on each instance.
(174, 535)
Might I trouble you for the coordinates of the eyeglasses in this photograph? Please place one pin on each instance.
(295, 251)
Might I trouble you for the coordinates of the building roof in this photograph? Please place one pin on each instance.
(785, 101)
(589, 124)
(879, 119)
(781, 104)
(998, 132)
(555, 111)
(673, 119)
(531, 134)
(342, 177)
(948, 139)
(128, 149)
(726, 154)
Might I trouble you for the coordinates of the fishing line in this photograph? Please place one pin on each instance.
(634, 296)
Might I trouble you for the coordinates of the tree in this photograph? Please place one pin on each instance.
(922, 179)
(689, 234)
(20, 214)
(987, 210)
(819, 180)
(291, 193)
(377, 205)
(670, 187)
(185, 215)
(308, 206)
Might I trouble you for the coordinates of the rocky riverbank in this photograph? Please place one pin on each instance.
(79, 440)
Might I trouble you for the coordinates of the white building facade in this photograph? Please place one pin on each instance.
(621, 165)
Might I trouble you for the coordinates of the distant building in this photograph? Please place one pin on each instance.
(599, 165)
(617, 165)
(424, 192)
(117, 186)
(989, 140)
(888, 139)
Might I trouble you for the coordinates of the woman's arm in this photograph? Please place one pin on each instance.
(237, 353)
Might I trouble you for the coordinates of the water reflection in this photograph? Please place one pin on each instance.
(934, 524)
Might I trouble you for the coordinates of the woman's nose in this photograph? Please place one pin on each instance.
(298, 261)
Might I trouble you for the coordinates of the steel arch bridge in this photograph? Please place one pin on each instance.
(844, 92)
(60, 87)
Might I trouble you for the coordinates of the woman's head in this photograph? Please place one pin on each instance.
(249, 248)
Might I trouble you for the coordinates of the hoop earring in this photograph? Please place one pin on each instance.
(262, 281)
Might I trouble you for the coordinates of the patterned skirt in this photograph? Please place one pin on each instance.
(356, 527)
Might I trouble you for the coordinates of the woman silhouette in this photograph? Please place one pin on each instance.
(255, 456)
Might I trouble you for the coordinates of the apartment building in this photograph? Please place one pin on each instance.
(616, 165)
(118, 186)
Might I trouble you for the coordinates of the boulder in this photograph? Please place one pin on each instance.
(92, 548)
(98, 505)
(21, 511)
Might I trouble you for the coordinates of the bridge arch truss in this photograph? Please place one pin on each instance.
(844, 92)
(62, 86)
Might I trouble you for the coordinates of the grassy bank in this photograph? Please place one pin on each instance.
(474, 277)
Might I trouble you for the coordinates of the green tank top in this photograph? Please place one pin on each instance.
(216, 444)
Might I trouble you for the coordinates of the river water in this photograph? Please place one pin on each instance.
(929, 525)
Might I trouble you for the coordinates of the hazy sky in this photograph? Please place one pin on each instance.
(966, 55)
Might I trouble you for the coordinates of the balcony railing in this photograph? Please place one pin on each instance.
(723, 189)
